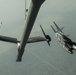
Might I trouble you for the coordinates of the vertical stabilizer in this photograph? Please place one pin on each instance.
(53, 29)
(57, 26)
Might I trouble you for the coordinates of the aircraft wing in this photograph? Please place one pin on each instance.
(36, 39)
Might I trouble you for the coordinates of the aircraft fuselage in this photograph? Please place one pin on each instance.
(65, 41)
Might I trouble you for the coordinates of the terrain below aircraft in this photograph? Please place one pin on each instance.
(66, 42)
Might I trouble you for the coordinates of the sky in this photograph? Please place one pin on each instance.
(39, 58)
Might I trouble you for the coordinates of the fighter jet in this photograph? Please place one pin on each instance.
(64, 40)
